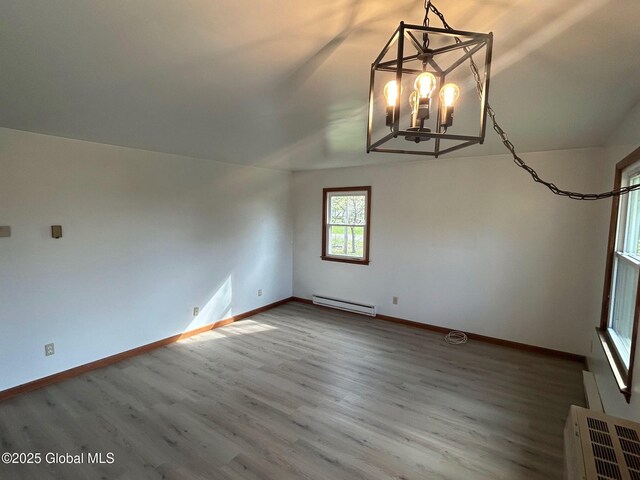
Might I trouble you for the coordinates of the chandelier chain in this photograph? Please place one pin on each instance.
(511, 147)
(425, 23)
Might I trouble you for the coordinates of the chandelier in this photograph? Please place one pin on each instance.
(426, 60)
(421, 86)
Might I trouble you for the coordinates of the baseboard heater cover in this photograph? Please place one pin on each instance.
(347, 305)
(600, 447)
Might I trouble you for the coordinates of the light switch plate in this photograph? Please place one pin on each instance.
(5, 231)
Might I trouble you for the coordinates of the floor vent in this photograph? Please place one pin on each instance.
(600, 447)
(349, 306)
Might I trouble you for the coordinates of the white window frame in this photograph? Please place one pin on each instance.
(620, 255)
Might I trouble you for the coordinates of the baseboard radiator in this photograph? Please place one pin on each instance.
(600, 447)
(349, 306)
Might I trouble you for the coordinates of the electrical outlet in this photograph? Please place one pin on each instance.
(260, 292)
(395, 300)
(49, 349)
(196, 311)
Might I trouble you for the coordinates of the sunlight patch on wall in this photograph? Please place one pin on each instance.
(217, 308)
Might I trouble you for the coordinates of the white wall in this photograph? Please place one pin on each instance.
(471, 244)
(624, 141)
(147, 236)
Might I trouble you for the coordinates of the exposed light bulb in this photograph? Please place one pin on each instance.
(424, 84)
(413, 101)
(449, 93)
(391, 93)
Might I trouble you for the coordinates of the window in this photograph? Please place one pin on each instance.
(619, 322)
(346, 215)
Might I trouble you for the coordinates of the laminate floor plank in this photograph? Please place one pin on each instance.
(300, 392)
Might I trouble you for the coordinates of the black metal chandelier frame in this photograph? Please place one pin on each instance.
(504, 138)
(467, 44)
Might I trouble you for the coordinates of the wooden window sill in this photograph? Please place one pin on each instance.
(619, 372)
(345, 260)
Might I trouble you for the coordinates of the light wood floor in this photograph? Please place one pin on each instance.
(304, 393)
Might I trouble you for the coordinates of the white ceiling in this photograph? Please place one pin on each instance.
(284, 83)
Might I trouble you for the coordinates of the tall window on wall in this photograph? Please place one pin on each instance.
(619, 323)
(346, 215)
